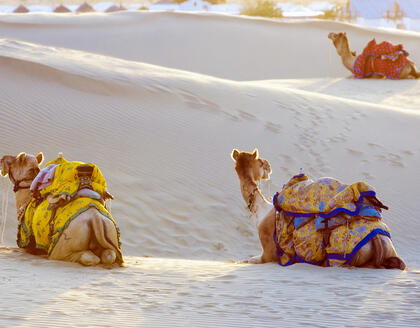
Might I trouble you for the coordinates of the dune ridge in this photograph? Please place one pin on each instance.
(238, 48)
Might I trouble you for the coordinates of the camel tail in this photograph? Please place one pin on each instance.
(99, 231)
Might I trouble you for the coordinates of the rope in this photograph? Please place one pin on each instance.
(109, 207)
(330, 62)
(5, 202)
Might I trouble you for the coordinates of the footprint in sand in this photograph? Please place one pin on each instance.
(273, 127)
(354, 152)
(407, 152)
(197, 103)
(247, 115)
(367, 175)
(287, 158)
(390, 158)
(374, 145)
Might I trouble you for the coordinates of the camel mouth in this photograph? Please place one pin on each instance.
(332, 36)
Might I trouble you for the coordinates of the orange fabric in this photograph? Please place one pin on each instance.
(383, 59)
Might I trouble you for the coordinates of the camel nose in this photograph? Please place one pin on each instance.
(331, 35)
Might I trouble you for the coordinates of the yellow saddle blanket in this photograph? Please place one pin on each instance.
(327, 196)
(41, 228)
(325, 222)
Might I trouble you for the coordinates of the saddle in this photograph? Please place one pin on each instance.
(385, 59)
(316, 220)
(76, 187)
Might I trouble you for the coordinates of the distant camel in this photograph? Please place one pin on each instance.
(313, 246)
(376, 61)
(89, 237)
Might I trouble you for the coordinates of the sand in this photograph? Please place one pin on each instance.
(158, 101)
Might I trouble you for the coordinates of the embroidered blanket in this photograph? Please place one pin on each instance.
(383, 59)
(36, 229)
(306, 244)
(325, 197)
(325, 222)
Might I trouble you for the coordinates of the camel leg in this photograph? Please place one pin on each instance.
(410, 71)
(87, 258)
(89, 239)
(414, 71)
(108, 256)
(265, 233)
(363, 256)
(379, 252)
(391, 259)
(73, 242)
(106, 237)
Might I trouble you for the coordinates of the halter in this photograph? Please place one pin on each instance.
(16, 183)
(252, 198)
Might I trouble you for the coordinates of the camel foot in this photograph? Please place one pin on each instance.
(108, 256)
(255, 260)
(394, 263)
(88, 258)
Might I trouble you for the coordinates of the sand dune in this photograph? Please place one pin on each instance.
(235, 48)
(158, 104)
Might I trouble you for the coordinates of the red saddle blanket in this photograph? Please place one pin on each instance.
(383, 59)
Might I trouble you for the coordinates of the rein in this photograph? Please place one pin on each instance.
(5, 201)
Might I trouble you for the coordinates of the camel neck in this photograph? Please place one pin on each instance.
(252, 195)
(348, 61)
(347, 56)
(22, 198)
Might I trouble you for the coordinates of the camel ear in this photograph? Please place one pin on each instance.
(6, 161)
(354, 53)
(40, 157)
(21, 157)
(255, 153)
(234, 155)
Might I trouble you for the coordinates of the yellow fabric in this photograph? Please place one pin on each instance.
(343, 239)
(35, 225)
(305, 244)
(37, 218)
(66, 180)
(304, 196)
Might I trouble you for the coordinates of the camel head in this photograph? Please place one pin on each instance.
(250, 165)
(21, 168)
(341, 43)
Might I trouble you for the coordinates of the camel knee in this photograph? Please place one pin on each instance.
(88, 258)
(108, 256)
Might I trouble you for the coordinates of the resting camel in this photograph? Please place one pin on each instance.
(89, 239)
(379, 252)
(407, 70)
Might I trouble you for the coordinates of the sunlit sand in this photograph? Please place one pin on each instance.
(158, 101)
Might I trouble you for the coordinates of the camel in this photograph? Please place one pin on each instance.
(379, 252)
(89, 239)
(348, 57)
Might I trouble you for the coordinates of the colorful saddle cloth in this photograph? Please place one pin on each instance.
(383, 59)
(325, 222)
(41, 226)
